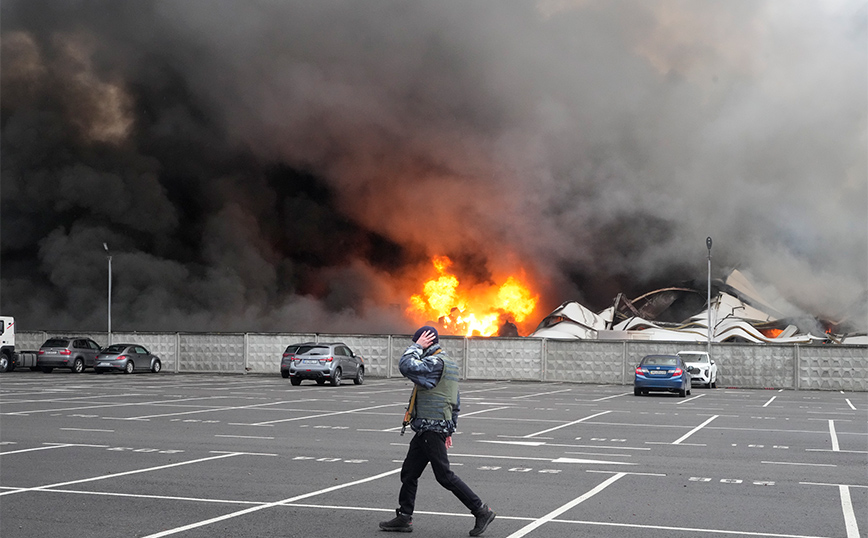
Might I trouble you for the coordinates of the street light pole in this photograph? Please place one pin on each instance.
(710, 328)
(108, 255)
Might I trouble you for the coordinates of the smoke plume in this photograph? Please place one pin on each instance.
(293, 166)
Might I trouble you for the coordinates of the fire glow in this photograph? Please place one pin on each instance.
(479, 311)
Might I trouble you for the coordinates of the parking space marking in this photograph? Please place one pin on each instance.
(570, 505)
(849, 515)
(562, 445)
(463, 415)
(86, 430)
(125, 473)
(770, 401)
(25, 413)
(244, 437)
(853, 407)
(213, 409)
(694, 430)
(565, 425)
(690, 399)
(835, 446)
(270, 505)
(540, 394)
(272, 422)
(58, 445)
(612, 396)
(796, 463)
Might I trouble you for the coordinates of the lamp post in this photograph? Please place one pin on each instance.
(710, 328)
(109, 256)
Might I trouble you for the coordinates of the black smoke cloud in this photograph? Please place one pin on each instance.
(292, 166)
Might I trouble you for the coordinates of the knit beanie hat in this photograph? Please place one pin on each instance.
(425, 329)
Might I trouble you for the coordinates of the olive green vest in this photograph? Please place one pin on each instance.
(436, 403)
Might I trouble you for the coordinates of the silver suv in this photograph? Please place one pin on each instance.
(73, 352)
(326, 362)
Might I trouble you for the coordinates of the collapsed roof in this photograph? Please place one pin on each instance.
(738, 313)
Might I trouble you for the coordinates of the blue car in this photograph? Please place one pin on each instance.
(662, 373)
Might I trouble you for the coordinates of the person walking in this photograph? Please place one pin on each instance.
(433, 410)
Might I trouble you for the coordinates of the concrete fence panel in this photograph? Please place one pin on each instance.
(576, 361)
(832, 368)
(163, 345)
(211, 353)
(504, 358)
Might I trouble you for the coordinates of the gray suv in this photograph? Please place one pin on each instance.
(73, 352)
(326, 362)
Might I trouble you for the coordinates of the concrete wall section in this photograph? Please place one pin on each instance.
(831, 368)
(211, 352)
(820, 367)
(517, 359)
(584, 361)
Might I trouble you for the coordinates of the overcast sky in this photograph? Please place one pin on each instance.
(293, 166)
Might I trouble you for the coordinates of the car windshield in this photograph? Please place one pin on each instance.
(313, 350)
(114, 348)
(56, 342)
(660, 361)
(694, 357)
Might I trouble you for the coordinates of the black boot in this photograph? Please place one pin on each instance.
(401, 523)
(484, 516)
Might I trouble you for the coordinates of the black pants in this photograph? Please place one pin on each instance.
(431, 447)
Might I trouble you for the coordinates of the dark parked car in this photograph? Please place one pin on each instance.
(662, 372)
(127, 358)
(326, 362)
(289, 354)
(73, 352)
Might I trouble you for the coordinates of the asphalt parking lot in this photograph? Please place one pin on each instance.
(199, 455)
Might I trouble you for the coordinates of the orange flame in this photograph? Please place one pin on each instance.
(477, 311)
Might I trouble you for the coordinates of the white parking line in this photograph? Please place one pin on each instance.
(114, 475)
(86, 430)
(694, 430)
(612, 396)
(570, 505)
(849, 515)
(62, 445)
(770, 401)
(690, 399)
(834, 435)
(243, 436)
(853, 407)
(565, 425)
(270, 422)
(540, 394)
(796, 463)
(64, 409)
(269, 505)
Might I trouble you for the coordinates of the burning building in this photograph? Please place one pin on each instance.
(738, 313)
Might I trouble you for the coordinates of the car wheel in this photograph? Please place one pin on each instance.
(284, 373)
(4, 363)
(682, 393)
(156, 366)
(336, 378)
(78, 366)
(360, 377)
(713, 383)
(47, 370)
(295, 381)
(637, 392)
(129, 367)
(688, 392)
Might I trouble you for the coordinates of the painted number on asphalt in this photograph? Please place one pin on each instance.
(732, 481)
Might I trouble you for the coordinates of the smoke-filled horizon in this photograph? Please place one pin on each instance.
(294, 166)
